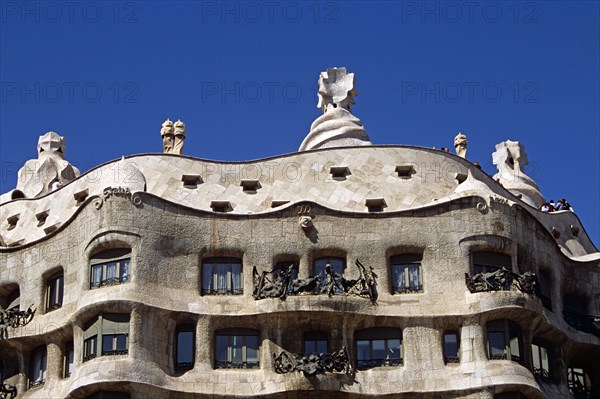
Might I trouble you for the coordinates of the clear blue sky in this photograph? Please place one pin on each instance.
(242, 75)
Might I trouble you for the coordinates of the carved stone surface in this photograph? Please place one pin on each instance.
(460, 145)
(37, 176)
(14, 318)
(278, 283)
(8, 391)
(337, 126)
(510, 158)
(501, 280)
(313, 363)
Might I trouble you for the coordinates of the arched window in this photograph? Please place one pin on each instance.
(185, 347)
(323, 269)
(236, 348)
(55, 291)
(378, 347)
(407, 276)
(38, 359)
(451, 346)
(504, 340)
(222, 276)
(316, 342)
(110, 267)
(486, 261)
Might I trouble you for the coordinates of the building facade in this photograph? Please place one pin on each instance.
(343, 270)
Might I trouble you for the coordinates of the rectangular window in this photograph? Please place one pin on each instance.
(451, 346)
(541, 363)
(54, 292)
(377, 347)
(185, 348)
(406, 274)
(488, 262)
(316, 342)
(579, 382)
(110, 267)
(106, 334)
(38, 367)
(69, 357)
(222, 276)
(236, 349)
(504, 340)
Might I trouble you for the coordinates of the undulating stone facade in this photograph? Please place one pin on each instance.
(344, 270)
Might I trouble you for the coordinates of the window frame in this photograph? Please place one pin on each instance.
(403, 264)
(371, 335)
(244, 334)
(447, 357)
(536, 349)
(504, 328)
(68, 359)
(586, 380)
(55, 291)
(208, 283)
(106, 329)
(120, 258)
(184, 328)
(39, 353)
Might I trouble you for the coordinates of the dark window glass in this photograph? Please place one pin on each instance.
(69, 357)
(222, 276)
(316, 342)
(337, 264)
(237, 348)
(108, 334)
(504, 340)
(329, 282)
(109, 395)
(377, 347)
(184, 358)
(38, 367)
(543, 290)
(579, 382)
(451, 345)
(486, 262)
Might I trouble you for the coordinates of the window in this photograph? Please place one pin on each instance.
(504, 340)
(106, 334)
(337, 264)
(222, 276)
(110, 267)
(69, 357)
(579, 382)
(486, 262)
(377, 347)
(451, 345)
(54, 292)
(236, 348)
(406, 273)
(184, 347)
(316, 342)
(543, 290)
(38, 367)
(510, 395)
(540, 361)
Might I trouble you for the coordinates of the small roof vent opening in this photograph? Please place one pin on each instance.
(405, 171)
(42, 216)
(250, 186)
(50, 229)
(375, 204)
(339, 172)
(12, 221)
(221, 206)
(191, 181)
(80, 196)
(278, 203)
